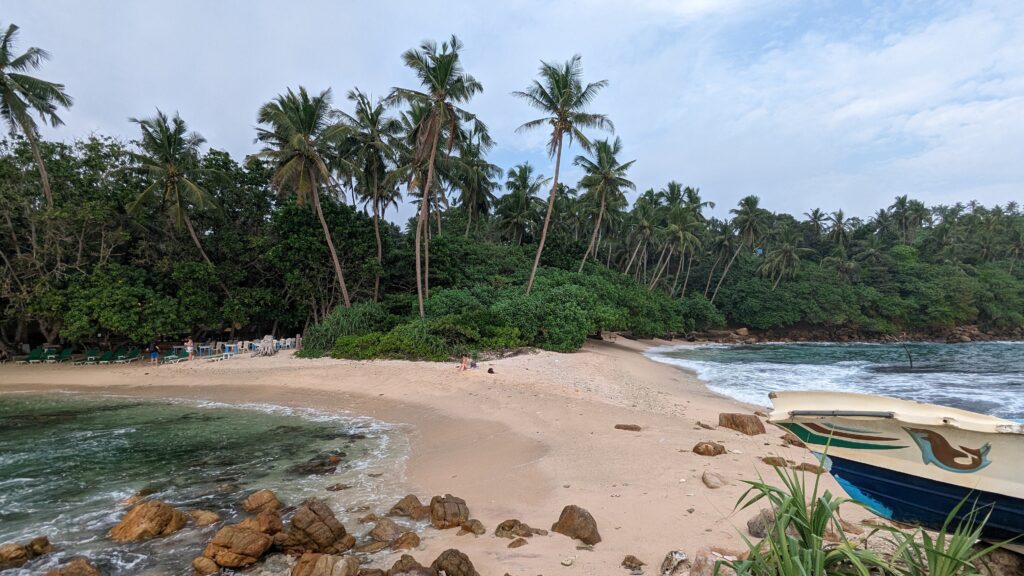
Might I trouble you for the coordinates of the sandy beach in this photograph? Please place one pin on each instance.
(523, 442)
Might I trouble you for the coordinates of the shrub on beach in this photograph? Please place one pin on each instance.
(360, 319)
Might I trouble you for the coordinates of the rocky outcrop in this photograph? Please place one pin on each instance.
(269, 522)
(236, 547)
(203, 566)
(261, 500)
(745, 423)
(575, 522)
(148, 520)
(410, 507)
(13, 556)
(314, 528)
(709, 449)
(454, 563)
(405, 541)
(76, 567)
(448, 511)
(203, 517)
(408, 566)
(313, 564)
(385, 530)
(473, 526)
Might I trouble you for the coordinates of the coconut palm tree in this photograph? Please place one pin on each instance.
(604, 179)
(518, 210)
(444, 85)
(300, 134)
(783, 259)
(369, 149)
(561, 95)
(169, 159)
(693, 202)
(816, 219)
(22, 95)
(750, 222)
(839, 228)
(474, 177)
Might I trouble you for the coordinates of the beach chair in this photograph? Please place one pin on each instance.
(91, 356)
(131, 356)
(169, 357)
(64, 356)
(32, 357)
(49, 356)
(108, 356)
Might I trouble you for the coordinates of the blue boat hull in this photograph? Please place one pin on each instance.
(914, 500)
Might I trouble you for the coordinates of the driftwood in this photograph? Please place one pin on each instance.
(266, 347)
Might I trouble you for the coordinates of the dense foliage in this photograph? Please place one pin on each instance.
(161, 238)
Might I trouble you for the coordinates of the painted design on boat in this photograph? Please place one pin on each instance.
(812, 433)
(935, 449)
(837, 431)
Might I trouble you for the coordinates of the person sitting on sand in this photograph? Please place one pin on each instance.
(465, 364)
(190, 348)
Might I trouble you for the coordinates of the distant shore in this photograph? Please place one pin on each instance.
(537, 434)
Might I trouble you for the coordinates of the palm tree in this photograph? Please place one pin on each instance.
(561, 95)
(671, 195)
(369, 147)
(816, 219)
(604, 179)
(22, 95)
(445, 84)
(723, 243)
(783, 260)
(643, 224)
(750, 221)
(170, 159)
(694, 203)
(518, 210)
(840, 228)
(300, 136)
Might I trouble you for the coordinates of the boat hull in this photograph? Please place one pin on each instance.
(914, 500)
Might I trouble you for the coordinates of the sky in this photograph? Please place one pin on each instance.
(840, 104)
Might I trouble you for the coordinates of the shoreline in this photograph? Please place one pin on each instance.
(521, 443)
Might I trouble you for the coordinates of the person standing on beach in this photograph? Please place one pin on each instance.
(190, 348)
(154, 354)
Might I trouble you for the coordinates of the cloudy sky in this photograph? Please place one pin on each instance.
(816, 103)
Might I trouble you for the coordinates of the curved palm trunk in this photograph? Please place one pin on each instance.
(199, 246)
(44, 178)
(593, 236)
(380, 246)
(679, 270)
(423, 223)
(330, 246)
(724, 272)
(657, 272)
(711, 274)
(633, 257)
(469, 222)
(689, 265)
(547, 218)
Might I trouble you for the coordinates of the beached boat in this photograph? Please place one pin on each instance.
(913, 462)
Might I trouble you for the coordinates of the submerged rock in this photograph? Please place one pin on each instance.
(148, 520)
(448, 511)
(260, 501)
(575, 522)
(709, 449)
(314, 564)
(454, 563)
(746, 423)
(76, 567)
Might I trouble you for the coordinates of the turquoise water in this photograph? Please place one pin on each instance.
(985, 377)
(67, 461)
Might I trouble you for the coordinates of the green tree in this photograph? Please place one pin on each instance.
(561, 95)
(783, 259)
(300, 134)
(21, 95)
(605, 182)
(518, 210)
(750, 222)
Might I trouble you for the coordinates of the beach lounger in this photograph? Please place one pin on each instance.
(64, 356)
(108, 356)
(49, 356)
(91, 356)
(128, 358)
(218, 357)
(31, 358)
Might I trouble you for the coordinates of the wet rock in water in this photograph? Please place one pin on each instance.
(808, 467)
(454, 563)
(791, 439)
(148, 520)
(709, 449)
(472, 526)
(203, 517)
(408, 566)
(632, 563)
(448, 511)
(368, 519)
(759, 525)
(405, 541)
(204, 566)
(314, 528)
(713, 480)
(673, 563)
(76, 567)
(13, 555)
(38, 546)
(628, 427)
(236, 547)
(261, 500)
(385, 530)
(370, 547)
(269, 522)
(313, 564)
(776, 461)
(337, 487)
(575, 522)
(410, 507)
(515, 529)
(746, 423)
(709, 562)
(518, 542)
(317, 465)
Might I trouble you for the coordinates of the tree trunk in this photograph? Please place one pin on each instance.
(776, 284)
(44, 178)
(199, 246)
(689, 264)
(724, 272)
(426, 254)
(633, 257)
(547, 218)
(422, 222)
(711, 274)
(469, 221)
(593, 237)
(679, 270)
(657, 272)
(330, 246)
(380, 246)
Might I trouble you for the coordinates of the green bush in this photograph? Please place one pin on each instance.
(362, 347)
(360, 319)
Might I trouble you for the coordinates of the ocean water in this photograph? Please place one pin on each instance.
(985, 377)
(67, 461)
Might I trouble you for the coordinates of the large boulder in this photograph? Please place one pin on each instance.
(269, 522)
(260, 501)
(410, 507)
(448, 511)
(575, 522)
(314, 528)
(385, 530)
(236, 547)
(473, 526)
(203, 566)
(76, 567)
(148, 520)
(746, 423)
(405, 541)
(13, 555)
(408, 566)
(454, 563)
(313, 564)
